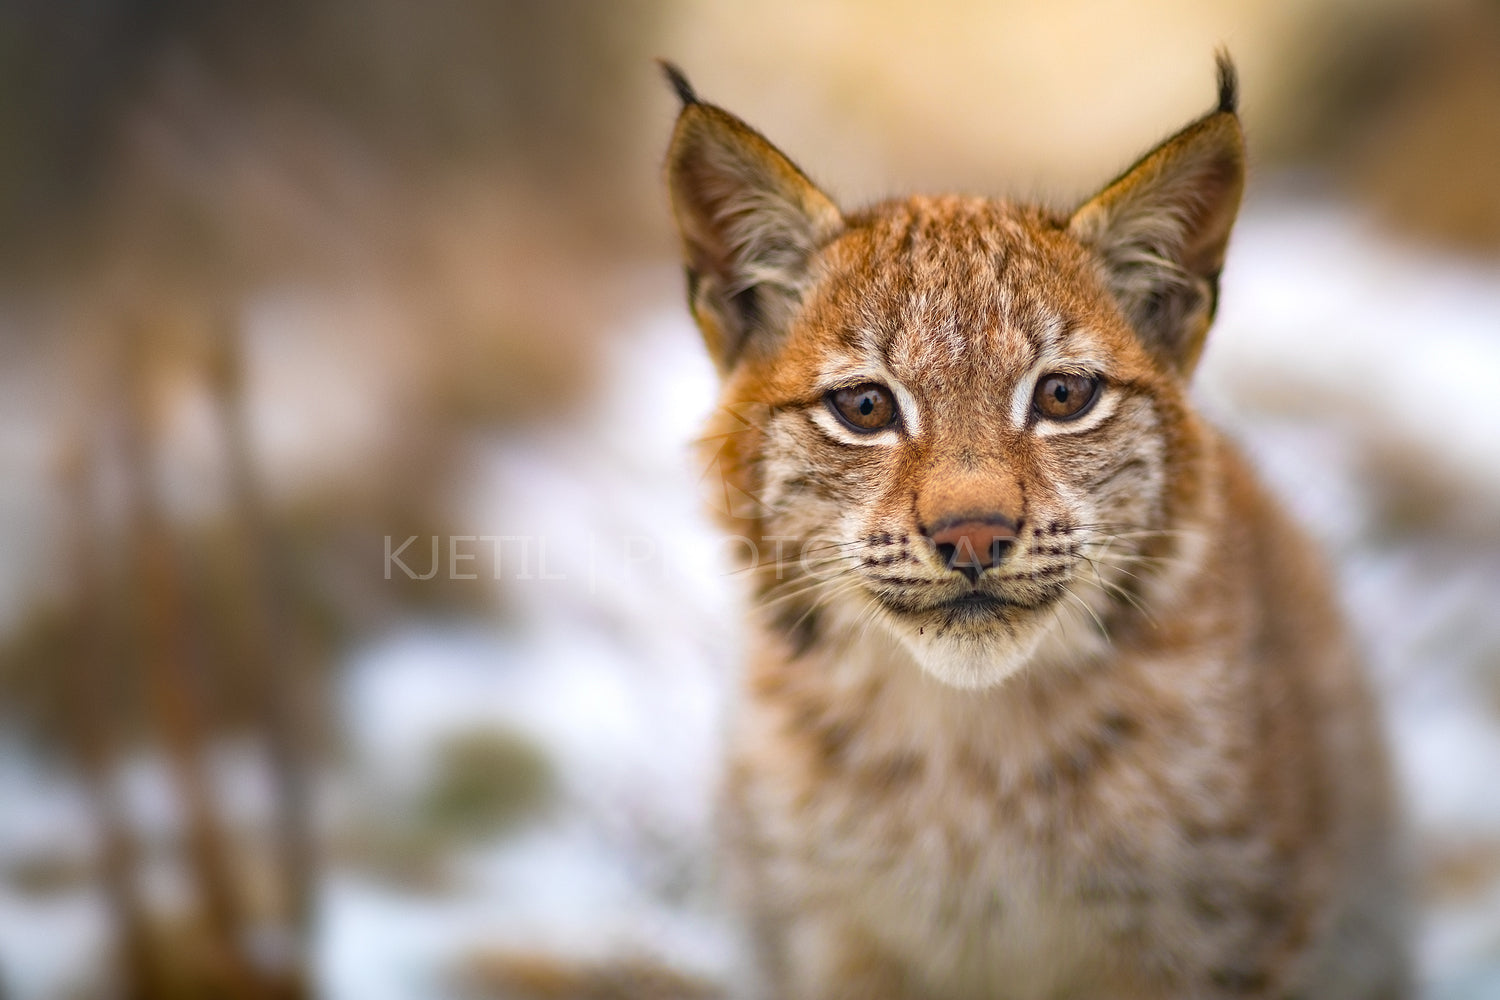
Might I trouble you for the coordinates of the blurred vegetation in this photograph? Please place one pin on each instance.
(504, 975)
(485, 781)
(510, 86)
(1400, 105)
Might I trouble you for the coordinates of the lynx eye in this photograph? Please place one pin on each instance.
(866, 407)
(1064, 395)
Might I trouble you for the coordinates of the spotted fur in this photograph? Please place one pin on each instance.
(1135, 758)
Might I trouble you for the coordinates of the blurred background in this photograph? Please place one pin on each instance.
(360, 632)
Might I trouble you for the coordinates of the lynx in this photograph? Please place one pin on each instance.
(1045, 697)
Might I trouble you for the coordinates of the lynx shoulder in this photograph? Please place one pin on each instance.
(1046, 698)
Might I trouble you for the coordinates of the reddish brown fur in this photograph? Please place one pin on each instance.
(1148, 765)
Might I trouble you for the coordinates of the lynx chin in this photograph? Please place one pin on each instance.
(1046, 698)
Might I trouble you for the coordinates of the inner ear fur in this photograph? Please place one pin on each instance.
(749, 220)
(1162, 227)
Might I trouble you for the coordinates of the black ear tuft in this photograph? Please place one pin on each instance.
(679, 82)
(1229, 82)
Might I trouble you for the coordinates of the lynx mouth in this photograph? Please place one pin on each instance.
(973, 608)
(975, 605)
(974, 637)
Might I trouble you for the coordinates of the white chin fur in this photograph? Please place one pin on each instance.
(971, 662)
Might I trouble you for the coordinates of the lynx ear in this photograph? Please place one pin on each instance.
(749, 221)
(1162, 228)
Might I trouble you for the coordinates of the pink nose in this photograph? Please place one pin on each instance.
(972, 545)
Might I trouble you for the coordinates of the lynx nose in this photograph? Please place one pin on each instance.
(973, 544)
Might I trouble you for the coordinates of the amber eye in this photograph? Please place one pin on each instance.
(1064, 395)
(866, 407)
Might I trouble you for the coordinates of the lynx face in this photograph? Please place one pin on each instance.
(965, 440)
(968, 420)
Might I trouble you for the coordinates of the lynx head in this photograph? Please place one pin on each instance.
(958, 419)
